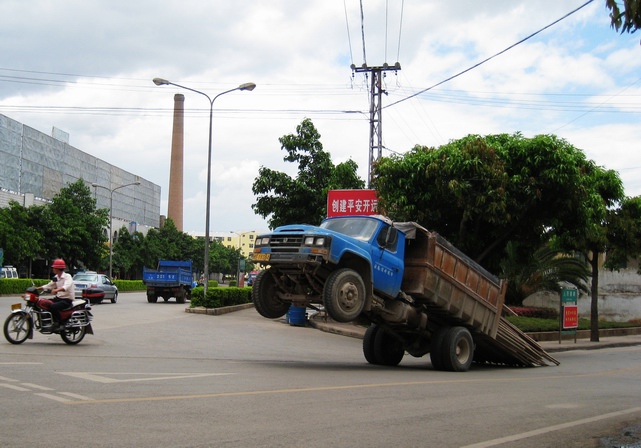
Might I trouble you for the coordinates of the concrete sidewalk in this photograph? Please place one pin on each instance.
(324, 323)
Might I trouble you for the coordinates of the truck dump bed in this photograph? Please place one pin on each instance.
(455, 290)
(169, 273)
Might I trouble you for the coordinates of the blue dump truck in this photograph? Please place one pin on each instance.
(171, 279)
(415, 291)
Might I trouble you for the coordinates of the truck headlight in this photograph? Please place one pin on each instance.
(318, 241)
(264, 241)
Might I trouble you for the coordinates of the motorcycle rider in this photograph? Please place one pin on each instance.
(62, 286)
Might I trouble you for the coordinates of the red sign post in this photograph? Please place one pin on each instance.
(351, 202)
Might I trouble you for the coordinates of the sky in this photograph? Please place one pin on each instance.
(86, 67)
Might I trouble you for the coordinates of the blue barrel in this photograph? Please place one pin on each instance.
(296, 315)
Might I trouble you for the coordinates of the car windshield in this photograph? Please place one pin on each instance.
(359, 228)
(86, 278)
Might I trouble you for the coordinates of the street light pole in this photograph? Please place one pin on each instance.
(111, 219)
(247, 86)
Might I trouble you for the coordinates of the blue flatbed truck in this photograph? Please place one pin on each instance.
(414, 290)
(171, 279)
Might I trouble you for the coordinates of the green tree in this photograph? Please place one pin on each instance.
(20, 234)
(127, 257)
(287, 200)
(625, 14)
(482, 192)
(73, 228)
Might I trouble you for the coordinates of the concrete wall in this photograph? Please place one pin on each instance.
(619, 296)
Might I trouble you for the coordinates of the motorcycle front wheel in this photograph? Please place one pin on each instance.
(73, 335)
(17, 327)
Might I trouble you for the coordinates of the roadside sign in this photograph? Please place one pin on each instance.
(568, 313)
(569, 296)
(351, 202)
(570, 317)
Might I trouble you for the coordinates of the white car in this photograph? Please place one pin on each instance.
(100, 286)
(8, 272)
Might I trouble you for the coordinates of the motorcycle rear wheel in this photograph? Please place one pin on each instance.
(17, 327)
(74, 335)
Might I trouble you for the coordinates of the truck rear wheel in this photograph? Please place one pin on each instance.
(436, 348)
(152, 298)
(265, 297)
(180, 295)
(457, 350)
(388, 350)
(344, 295)
(368, 344)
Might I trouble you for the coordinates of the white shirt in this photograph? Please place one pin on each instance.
(64, 281)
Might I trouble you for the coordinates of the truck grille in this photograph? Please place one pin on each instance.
(285, 243)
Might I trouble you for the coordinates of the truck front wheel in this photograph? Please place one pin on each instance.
(368, 344)
(265, 297)
(344, 295)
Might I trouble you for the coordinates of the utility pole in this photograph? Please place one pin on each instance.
(375, 110)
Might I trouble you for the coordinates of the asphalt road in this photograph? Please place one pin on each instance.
(155, 376)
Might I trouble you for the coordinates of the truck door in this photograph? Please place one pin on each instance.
(387, 261)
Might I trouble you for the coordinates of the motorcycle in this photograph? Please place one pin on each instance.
(35, 314)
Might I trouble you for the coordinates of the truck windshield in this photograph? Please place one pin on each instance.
(359, 228)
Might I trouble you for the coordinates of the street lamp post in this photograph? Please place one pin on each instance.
(247, 86)
(111, 219)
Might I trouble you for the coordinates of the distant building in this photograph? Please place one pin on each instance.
(236, 240)
(35, 166)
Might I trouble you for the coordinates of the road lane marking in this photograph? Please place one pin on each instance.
(76, 396)
(18, 388)
(346, 387)
(106, 377)
(53, 397)
(11, 380)
(35, 386)
(538, 432)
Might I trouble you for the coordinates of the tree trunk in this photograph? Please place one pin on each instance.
(594, 303)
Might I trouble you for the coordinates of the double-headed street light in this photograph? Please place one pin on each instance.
(247, 86)
(111, 219)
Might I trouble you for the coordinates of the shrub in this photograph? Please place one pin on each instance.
(19, 285)
(219, 297)
(130, 285)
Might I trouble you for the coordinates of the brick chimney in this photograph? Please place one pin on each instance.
(175, 206)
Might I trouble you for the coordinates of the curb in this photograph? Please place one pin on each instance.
(218, 311)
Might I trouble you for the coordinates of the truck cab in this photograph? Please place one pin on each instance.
(343, 264)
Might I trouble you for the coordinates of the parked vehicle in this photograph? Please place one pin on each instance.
(171, 279)
(418, 293)
(8, 272)
(95, 287)
(34, 314)
(251, 278)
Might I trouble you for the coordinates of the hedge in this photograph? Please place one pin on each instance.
(218, 297)
(19, 285)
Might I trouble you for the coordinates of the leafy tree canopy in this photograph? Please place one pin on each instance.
(73, 228)
(625, 14)
(287, 200)
(481, 192)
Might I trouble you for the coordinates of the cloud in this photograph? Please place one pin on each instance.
(86, 68)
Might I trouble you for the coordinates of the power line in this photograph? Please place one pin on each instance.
(491, 57)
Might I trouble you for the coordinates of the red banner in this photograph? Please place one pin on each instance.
(570, 316)
(351, 202)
